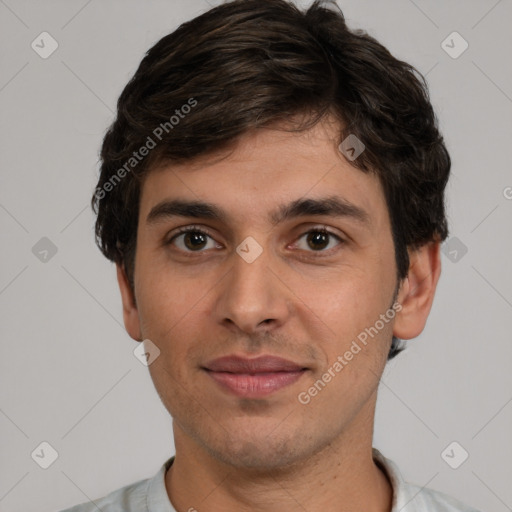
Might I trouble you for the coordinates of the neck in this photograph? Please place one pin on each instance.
(341, 477)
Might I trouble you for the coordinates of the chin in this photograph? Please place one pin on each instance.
(262, 448)
(261, 456)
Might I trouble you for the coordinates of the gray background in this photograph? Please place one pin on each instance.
(68, 373)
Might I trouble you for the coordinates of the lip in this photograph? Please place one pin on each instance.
(256, 377)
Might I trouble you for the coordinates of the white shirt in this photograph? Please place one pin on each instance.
(150, 495)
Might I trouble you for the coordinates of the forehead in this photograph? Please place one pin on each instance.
(266, 172)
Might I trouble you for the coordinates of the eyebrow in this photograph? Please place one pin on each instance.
(329, 206)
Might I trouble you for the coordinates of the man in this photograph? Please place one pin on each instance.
(272, 193)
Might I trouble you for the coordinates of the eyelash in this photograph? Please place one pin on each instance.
(202, 231)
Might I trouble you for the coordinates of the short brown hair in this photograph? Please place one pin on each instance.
(249, 63)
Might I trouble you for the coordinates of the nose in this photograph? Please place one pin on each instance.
(252, 297)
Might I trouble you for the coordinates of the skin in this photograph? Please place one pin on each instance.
(299, 300)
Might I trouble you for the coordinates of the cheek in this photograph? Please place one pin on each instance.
(355, 354)
(173, 314)
(357, 342)
(348, 302)
(164, 299)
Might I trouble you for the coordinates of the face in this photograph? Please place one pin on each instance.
(292, 258)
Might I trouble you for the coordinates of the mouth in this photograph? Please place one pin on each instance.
(253, 378)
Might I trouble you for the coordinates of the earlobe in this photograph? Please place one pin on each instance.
(417, 291)
(130, 311)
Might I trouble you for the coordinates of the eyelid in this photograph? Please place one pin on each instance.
(191, 227)
(320, 227)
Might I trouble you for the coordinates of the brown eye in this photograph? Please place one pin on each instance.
(192, 239)
(319, 240)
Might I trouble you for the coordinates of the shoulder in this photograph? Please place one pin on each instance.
(413, 498)
(126, 499)
(142, 496)
(421, 499)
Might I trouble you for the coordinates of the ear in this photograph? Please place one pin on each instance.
(130, 312)
(417, 290)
